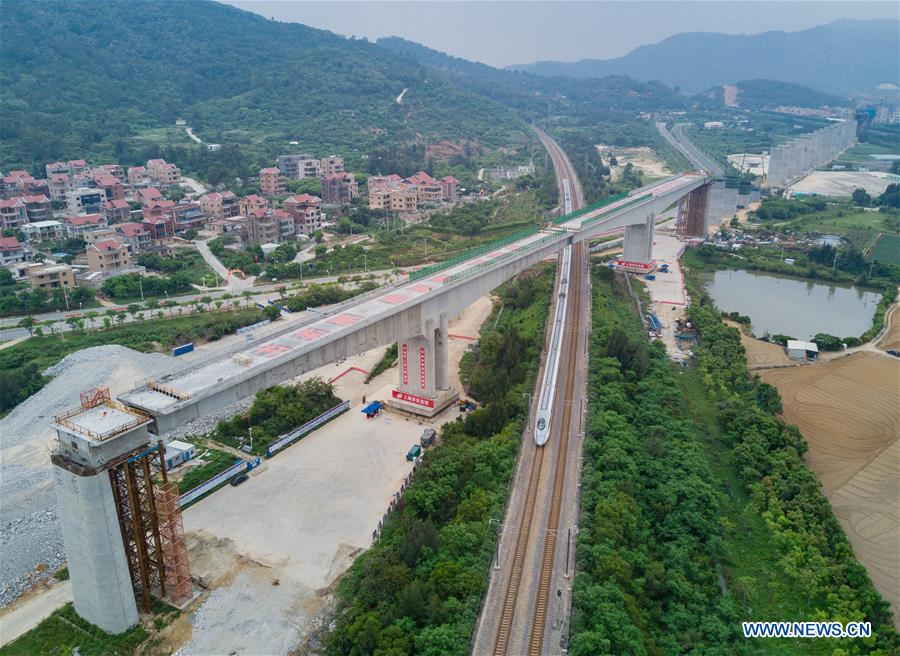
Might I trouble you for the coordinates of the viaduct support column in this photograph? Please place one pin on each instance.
(637, 255)
(423, 379)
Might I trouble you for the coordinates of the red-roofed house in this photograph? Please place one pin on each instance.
(450, 188)
(271, 182)
(116, 211)
(161, 229)
(56, 168)
(157, 209)
(13, 213)
(249, 204)
(163, 173)
(134, 235)
(16, 183)
(382, 182)
(11, 251)
(420, 178)
(307, 213)
(107, 255)
(60, 184)
(339, 188)
(144, 196)
(114, 170)
(38, 207)
(137, 175)
(77, 166)
(111, 186)
(77, 225)
(220, 205)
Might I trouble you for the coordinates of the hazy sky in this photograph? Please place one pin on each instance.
(503, 33)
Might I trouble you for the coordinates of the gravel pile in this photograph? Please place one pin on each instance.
(31, 546)
(207, 423)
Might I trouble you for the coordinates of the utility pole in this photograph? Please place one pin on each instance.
(141, 285)
(494, 520)
(834, 267)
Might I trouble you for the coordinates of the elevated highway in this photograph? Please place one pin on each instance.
(413, 312)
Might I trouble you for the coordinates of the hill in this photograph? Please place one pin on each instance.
(81, 78)
(769, 94)
(538, 97)
(844, 57)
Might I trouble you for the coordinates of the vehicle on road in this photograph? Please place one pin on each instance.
(427, 438)
(414, 452)
(240, 478)
(893, 352)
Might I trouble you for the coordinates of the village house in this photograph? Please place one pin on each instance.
(11, 251)
(220, 205)
(339, 189)
(306, 211)
(107, 255)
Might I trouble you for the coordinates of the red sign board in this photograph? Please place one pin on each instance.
(636, 265)
(422, 366)
(412, 398)
(405, 365)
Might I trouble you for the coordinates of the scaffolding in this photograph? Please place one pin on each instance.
(691, 218)
(152, 529)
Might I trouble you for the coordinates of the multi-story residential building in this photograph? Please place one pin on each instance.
(13, 213)
(56, 168)
(114, 170)
(271, 182)
(51, 276)
(339, 188)
(116, 211)
(234, 226)
(19, 183)
(163, 173)
(220, 204)
(60, 184)
(333, 165)
(187, 215)
(307, 212)
(450, 188)
(11, 251)
(99, 233)
(108, 255)
(135, 236)
(401, 199)
(382, 182)
(160, 228)
(251, 203)
(138, 176)
(77, 166)
(39, 231)
(84, 200)
(146, 195)
(111, 186)
(287, 230)
(158, 209)
(299, 165)
(38, 207)
(77, 225)
(262, 227)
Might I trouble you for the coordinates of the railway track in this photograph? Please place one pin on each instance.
(536, 598)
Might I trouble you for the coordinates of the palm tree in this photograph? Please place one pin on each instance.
(91, 316)
(246, 294)
(49, 324)
(207, 300)
(219, 304)
(227, 297)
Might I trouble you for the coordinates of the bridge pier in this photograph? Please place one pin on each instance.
(637, 251)
(423, 385)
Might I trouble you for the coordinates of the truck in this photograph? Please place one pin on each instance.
(414, 452)
(427, 438)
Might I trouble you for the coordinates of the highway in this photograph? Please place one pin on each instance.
(528, 598)
(677, 138)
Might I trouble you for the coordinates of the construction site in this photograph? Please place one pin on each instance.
(798, 157)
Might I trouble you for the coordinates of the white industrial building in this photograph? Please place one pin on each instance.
(800, 350)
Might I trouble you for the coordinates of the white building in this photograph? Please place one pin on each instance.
(43, 231)
(800, 350)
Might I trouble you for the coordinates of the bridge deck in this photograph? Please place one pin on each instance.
(260, 355)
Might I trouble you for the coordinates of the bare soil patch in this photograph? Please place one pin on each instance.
(642, 158)
(848, 412)
(760, 354)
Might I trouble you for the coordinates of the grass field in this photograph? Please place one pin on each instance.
(861, 153)
(886, 249)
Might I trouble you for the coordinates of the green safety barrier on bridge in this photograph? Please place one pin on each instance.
(589, 208)
(472, 252)
(481, 267)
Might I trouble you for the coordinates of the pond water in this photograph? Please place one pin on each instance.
(788, 306)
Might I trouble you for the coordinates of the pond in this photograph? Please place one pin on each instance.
(788, 306)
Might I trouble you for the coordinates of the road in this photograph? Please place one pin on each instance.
(527, 605)
(234, 283)
(685, 146)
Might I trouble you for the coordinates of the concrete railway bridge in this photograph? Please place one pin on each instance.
(413, 312)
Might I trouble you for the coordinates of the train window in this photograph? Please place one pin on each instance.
(542, 424)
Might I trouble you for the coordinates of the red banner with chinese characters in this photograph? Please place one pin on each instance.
(412, 398)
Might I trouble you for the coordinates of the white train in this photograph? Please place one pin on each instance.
(567, 197)
(551, 370)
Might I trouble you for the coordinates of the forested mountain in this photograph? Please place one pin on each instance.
(540, 97)
(844, 57)
(80, 78)
(768, 94)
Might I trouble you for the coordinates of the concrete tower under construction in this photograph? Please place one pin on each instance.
(123, 533)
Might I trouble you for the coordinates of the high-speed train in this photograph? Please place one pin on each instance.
(548, 386)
